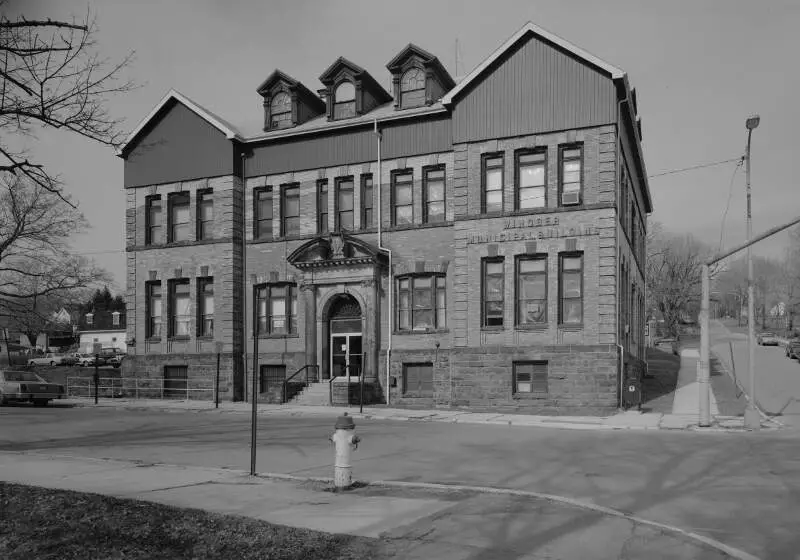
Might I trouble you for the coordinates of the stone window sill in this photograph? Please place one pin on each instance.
(277, 336)
(530, 396)
(532, 328)
(571, 328)
(429, 331)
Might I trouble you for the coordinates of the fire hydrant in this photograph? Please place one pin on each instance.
(345, 441)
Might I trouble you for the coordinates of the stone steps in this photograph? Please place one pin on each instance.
(315, 394)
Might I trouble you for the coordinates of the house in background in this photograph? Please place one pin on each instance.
(103, 326)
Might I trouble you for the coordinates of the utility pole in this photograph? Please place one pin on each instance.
(751, 417)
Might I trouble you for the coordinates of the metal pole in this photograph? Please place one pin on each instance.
(751, 417)
(254, 411)
(703, 366)
(96, 375)
(216, 390)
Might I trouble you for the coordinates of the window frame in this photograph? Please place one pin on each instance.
(272, 124)
(171, 223)
(543, 257)
(172, 317)
(337, 190)
(367, 223)
(394, 175)
(436, 312)
(322, 217)
(532, 393)
(290, 318)
(204, 227)
(410, 102)
(518, 176)
(426, 181)
(417, 392)
(485, 261)
(337, 103)
(561, 298)
(150, 321)
(484, 183)
(258, 219)
(202, 328)
(149, 227)
(561, 161)
(285, 188)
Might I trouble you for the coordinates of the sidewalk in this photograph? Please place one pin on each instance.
(413, 520)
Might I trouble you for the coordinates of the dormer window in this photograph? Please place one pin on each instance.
(281, 110)
(412, 88)
(344, 104)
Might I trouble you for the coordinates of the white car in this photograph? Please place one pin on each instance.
(26, 386)
(48, 360)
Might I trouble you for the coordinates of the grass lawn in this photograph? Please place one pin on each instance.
(54, 524)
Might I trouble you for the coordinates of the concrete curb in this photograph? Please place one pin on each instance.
(729, 550)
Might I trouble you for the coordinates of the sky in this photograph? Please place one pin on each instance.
(700, 68)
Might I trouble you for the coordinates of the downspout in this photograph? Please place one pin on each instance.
(379, 136)
(619, 265)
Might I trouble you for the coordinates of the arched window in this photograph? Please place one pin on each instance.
(344, 101)
(412, 88)
(281, 110)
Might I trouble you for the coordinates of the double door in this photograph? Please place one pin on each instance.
(347, 355)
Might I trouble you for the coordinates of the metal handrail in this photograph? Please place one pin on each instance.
(127, 385)
(295, 374)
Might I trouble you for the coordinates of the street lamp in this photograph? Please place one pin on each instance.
(751, 417)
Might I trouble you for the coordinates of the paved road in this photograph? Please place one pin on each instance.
(742, 489)
(777, 377)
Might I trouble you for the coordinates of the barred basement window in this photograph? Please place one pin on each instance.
(421, 302)
(418, 380)
(530, 378)
(276, 309)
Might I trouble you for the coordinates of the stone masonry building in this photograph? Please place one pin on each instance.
(476, 244)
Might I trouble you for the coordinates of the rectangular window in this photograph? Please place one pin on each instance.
(530, 378)
(322, 206)
(153, 310)
(531, 172)
(493, 292)
(272, 376)
(175, 382)
(178, 217)
(532, 290)
(433, 196)
(421, 303)
(571, 176)
(366, 202)
(205, 307)
(263, 212)
(155, 233)
(179, 308)
(418, 380)
(571, 289)
(290, 210)
(492, 192)
(205, 215)
(634, 232)
(345, 204)
(276, 309)
(403, 198)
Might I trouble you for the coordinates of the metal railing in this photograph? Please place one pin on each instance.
(304, 383)
(139, 388)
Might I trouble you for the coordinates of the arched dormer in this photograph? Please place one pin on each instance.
(350, 90)
(287, 102)
(418, 78)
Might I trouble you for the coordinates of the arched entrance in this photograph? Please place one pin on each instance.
(346, 337)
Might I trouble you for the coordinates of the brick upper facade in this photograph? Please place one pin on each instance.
(551, 366)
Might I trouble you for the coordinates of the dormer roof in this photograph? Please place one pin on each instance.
(411, 50)
(278, 76)
(341, 64)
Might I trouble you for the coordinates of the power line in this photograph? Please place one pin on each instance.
(728, 204)
(701, 166)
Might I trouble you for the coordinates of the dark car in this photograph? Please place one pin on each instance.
(793, 348)
(26, 386)
(767, 339)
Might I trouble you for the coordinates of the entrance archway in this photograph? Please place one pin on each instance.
(345, 356)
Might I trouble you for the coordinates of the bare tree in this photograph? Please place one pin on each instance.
(38, 274)
(674, 283)
(790, 278)
(52, 76)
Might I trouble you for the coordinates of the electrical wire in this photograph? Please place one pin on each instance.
(728, 204)
(701, 166)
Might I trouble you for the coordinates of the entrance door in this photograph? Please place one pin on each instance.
(346, 354)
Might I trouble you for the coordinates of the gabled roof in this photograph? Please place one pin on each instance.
(340, 62)
(220, 124)
(427, 58)
(274, 77)
(527, 30)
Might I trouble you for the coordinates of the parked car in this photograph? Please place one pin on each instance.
(70, 359)
(49, 359)
(793, 348)
(26, 386)
(87, 360)
(767, 339)
(116, 361)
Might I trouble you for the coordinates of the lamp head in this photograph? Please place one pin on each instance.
(752, 122)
